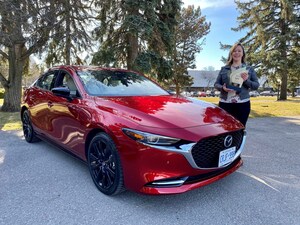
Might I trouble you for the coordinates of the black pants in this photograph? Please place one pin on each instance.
(240, 111)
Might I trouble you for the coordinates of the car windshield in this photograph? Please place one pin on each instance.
(118, 83)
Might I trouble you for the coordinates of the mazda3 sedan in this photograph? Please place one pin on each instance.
(132, 133)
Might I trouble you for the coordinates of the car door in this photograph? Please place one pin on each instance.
(68, 118)
(40, 98)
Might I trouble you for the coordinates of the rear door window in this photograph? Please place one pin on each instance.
(47, 81)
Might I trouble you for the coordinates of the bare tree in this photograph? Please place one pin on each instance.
(209, 75)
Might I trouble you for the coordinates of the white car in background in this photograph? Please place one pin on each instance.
(186, 94)
(253, 93)
(217, 93)
(267, 93)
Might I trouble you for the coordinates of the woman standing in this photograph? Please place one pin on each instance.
(234, 81)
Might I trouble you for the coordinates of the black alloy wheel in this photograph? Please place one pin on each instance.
(28, 131)
(105, 165)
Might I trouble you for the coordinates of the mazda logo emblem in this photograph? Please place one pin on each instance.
(228, 141)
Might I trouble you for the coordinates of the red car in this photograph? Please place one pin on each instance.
(133, 134)
(202, 94)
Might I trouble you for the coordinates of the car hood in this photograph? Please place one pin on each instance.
(165, 111)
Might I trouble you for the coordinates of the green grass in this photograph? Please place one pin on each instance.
(269, 106)
(260, 107)
(9, 121)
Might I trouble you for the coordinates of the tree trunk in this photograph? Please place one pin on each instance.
(177, 89)
(132, 50)
(283, 52)
(68, 38)
(132, 43)
(13, 90)
(283, 88)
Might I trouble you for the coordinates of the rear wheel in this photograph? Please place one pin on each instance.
(105, 165)
(28, 131)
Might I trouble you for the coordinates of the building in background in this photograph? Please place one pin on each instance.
(204, 81)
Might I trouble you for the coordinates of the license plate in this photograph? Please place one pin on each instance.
(226, 156)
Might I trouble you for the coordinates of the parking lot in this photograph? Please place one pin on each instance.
(40, 184)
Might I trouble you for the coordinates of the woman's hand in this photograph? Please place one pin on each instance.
(227, 89)
(244, 75)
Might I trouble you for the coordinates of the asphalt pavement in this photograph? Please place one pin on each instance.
(40, 184)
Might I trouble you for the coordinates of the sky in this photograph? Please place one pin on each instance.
(222, 14)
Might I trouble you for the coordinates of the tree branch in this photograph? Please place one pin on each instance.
(34, 48)
(4, 54)
(3, 80)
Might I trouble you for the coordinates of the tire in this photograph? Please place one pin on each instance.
(105, 165)
(28, 131)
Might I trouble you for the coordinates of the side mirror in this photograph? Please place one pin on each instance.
(62, 92)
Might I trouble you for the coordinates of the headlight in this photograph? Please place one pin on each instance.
(150, 139)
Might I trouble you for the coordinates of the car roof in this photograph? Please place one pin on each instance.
(85, 67)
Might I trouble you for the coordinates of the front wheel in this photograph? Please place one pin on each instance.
(105, 165)
(28, 131)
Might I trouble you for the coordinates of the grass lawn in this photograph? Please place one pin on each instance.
(261, 107)
(268, 106)
(9, 121)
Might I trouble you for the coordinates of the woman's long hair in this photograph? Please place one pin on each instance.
(230, 59)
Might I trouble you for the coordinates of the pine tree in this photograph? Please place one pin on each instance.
(191, 28)
(273, 30)
(71, 38)
(137, 34)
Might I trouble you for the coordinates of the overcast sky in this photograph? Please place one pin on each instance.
(222, 14)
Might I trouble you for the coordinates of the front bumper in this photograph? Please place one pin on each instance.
(186, 151)
(170, 170)
(189, 183)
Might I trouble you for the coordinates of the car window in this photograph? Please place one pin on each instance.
(47, 81)
(68, 81)
(118, 83)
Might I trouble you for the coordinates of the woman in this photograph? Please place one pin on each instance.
(234, 81)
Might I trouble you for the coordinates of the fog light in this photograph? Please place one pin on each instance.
(168, 182)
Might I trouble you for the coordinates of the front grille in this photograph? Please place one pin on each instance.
(206, 176)
(206, 152)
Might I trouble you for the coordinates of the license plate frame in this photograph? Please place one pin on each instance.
(226, 156)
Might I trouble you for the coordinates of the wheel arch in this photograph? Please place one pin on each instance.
(22, 111)
(92, 134)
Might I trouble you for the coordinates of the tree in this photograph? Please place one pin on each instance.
(273, 30)
(32, 71)
(3, 68)
(209, 75)
(294, 74)
(71, 36)
(191, 28)
(25, 27)
(137, 34)
(209, 68)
